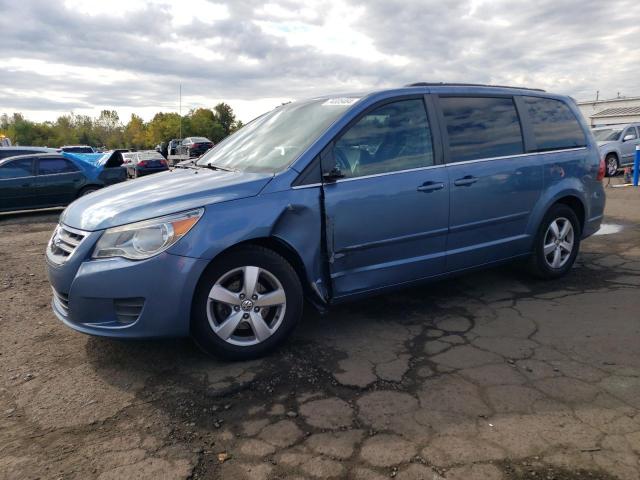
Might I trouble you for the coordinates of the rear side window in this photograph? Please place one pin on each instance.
(481, 127)
(17, 169)
(554, 125)
(391, 138)
(50, 166)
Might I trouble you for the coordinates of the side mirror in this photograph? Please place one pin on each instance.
(628, 137)
(334, 174)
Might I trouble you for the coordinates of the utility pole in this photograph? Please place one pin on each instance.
(180, 108)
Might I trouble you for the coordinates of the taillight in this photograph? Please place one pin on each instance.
(142, 163)
(601, 170)
(163, 162)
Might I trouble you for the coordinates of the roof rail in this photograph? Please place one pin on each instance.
(446, 84)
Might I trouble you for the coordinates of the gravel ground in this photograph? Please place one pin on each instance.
(488, 376)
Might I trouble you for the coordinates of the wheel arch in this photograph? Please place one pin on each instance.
(612, 152)
(575, 204)
(87, 186)
(569, 193)
(289, 253)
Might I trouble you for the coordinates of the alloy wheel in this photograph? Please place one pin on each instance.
(246, 306)
(612, 166)
(558, 242)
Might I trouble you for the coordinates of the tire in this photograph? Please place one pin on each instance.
(553, 254)
(225, 321)
(87, 191)
(611, 165)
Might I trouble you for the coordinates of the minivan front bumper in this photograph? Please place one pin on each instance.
(126, 299)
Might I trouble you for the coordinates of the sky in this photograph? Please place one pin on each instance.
(83, 56)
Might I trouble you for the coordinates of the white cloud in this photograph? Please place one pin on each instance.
(131, 55)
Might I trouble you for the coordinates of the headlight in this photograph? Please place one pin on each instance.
(145, 239)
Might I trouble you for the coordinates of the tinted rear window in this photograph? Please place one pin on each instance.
(50, 166)
(481, 127)
(554, 124)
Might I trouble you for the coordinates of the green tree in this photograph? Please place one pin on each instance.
(225, 117)
(108, 130)
(135, 133)
(163, 127)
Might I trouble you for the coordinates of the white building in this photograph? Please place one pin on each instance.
(611, 112)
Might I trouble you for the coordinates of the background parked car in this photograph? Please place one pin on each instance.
(77, 149)
(6, 152)
(143, 163)
(172, 149)
(617, 145)
(194, 146)
(43, 180)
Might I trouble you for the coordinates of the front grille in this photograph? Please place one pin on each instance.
(61, 302)
(63, 243)
(128, 309)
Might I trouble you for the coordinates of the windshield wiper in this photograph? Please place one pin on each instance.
(195, 167)
(217, 167)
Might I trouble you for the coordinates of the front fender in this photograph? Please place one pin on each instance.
(604, 151)
(292, 216)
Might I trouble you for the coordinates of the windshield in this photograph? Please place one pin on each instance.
(607, 134)
(273, 141)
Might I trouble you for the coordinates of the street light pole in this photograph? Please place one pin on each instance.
(180, 108)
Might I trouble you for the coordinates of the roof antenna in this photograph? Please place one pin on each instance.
(597, 95)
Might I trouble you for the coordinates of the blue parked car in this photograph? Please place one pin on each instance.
(42, 180)
(329, 200)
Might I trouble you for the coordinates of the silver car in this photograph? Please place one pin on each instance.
(617, 145)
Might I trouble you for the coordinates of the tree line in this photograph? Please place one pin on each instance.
(107, 130)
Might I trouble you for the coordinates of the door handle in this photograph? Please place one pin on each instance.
(25, 185)
(430, 186)
(465, 181)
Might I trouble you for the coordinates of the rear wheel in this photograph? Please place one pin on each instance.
(611, 162)
(246, 304)
(556, 244)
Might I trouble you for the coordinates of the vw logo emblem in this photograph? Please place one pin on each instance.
(246, 305)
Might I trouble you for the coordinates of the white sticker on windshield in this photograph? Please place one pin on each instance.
(341, 101)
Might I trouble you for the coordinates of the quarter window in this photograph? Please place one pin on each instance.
(50, 166)
(554, 125)
(393, 137)
(481, 127)
(17, 169)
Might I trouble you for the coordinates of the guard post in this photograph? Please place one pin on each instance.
(636, 167)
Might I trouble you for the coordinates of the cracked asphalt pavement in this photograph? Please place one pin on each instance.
(488, 376)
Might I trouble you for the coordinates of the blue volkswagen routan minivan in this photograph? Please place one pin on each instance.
(328, 200)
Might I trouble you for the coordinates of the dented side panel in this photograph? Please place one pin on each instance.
(292, 216)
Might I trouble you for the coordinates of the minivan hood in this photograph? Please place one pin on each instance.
(160, 194)
(604, 143)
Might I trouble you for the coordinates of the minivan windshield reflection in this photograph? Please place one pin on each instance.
(273, 141)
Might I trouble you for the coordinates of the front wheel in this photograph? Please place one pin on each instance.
(556, 244)
(612, 165)
(246, 304)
